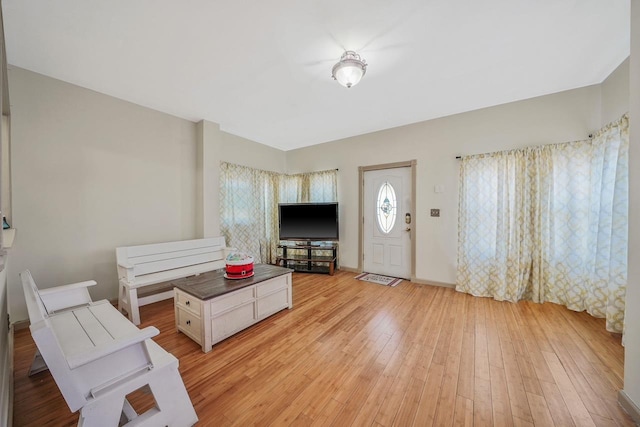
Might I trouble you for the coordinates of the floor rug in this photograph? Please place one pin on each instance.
(380, 280)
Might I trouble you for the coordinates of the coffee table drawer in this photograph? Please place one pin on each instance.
(190, 325)
(271, 285)
(232, 321)
(233, 299)
(273, 302)
(188, 302)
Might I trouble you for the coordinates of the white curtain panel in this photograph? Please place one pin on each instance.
(549, 223)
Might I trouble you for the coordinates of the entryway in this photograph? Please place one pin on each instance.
(387, 206)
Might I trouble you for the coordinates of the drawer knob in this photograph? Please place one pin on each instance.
(188, 303)
(188, 322)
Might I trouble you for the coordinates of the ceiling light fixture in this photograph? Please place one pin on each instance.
(350, 69)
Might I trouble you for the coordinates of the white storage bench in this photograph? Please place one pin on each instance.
(97, 357)
(141, 267)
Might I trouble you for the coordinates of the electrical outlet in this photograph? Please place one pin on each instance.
(435, 212)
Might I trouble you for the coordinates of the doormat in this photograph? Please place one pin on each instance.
(380, 280)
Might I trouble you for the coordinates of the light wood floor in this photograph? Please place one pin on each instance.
(356, 353)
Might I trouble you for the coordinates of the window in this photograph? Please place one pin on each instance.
(549, 223)
(386, 207)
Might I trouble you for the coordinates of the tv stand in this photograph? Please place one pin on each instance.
(308, 257)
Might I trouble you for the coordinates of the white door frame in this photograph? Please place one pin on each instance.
(361, 170)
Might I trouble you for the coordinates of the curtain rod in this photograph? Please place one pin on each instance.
(590, 136)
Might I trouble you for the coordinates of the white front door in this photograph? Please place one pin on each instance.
(386, 233)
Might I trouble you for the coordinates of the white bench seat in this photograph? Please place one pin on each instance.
(146, 265)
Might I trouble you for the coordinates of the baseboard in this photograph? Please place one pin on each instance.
(349, 269)
(629, 405)
(20, 325)
(434, 283)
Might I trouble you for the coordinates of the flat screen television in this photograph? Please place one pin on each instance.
(308, 221)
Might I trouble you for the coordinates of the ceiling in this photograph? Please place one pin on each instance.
(262, 69)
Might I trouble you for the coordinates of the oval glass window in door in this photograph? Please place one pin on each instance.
(386, 207)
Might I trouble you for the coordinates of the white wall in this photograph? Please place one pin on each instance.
(90, 173)
(560, 117)
(632, 318)
(615, 94)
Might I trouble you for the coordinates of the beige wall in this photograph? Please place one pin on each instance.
(632, 319)
(565, 116)
(217, 146)
(90, 173)
(615, 94)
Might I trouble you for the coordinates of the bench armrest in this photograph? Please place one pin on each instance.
(75, 361)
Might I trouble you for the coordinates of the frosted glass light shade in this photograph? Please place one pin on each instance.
(350, 69)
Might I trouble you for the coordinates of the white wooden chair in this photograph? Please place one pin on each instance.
(97, 357)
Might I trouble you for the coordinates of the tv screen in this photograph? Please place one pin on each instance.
(308, 221)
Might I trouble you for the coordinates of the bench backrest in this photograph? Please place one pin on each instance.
(147, 259)
(35, 307)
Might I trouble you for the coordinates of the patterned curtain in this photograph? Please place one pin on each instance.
(249, 204)
(247, 218)
(549, 223)
(309, 187)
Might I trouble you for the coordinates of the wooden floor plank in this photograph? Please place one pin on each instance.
(482, 408)
(448, 389)
(500, 403)
(410, 402)
(574, 403)
(539, 410)
(428, 404)
(355, 353)
(464, 412)
(556, 405)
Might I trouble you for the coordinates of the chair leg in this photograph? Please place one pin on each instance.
(172, 399)
(102, 412)
(134, 313)
(38, 364)
(128, 303)
(123, 302)
(128, 412)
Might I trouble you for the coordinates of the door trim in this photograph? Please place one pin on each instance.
(361, 170)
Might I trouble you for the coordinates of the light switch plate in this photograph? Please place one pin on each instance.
(435, 212)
